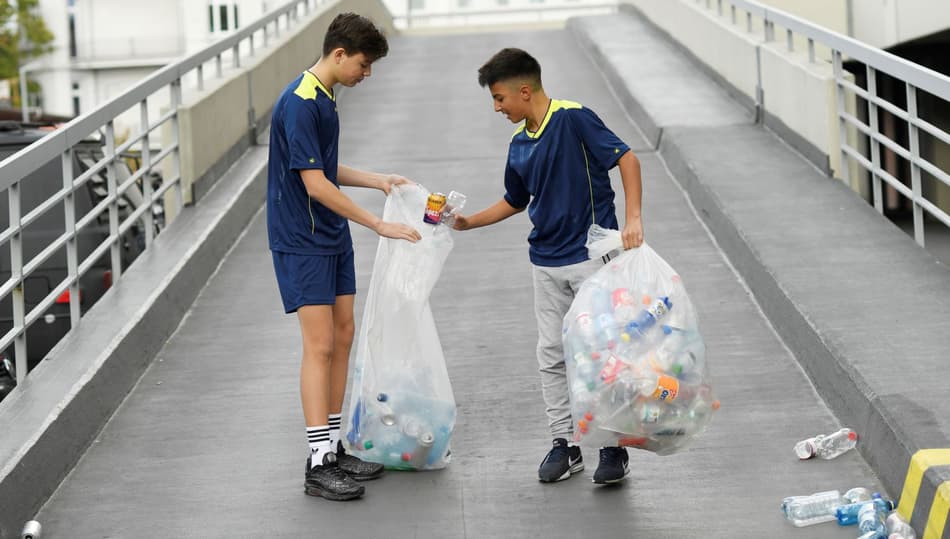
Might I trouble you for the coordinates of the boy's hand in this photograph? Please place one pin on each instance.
(632, 233)
(397, 231)
(461, 222)
(387, 182)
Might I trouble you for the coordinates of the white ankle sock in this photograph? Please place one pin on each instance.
(319, 440)
(334, 430)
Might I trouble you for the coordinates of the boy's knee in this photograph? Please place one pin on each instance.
(345, 329)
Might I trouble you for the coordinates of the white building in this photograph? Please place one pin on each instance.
(102, 47)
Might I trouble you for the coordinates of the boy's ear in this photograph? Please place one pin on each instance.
(338, 54)
(525, 92)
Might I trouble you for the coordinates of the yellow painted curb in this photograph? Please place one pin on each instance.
(938, 512)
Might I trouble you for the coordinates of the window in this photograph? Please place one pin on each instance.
(222, 16)
(72, 36)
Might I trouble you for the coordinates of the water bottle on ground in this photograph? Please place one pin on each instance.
(820, 507)
(813, 509)
(827, 447)
(848, 515)
(871, 519)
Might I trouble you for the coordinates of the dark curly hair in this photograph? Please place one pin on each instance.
(355, 34)
(509, 64)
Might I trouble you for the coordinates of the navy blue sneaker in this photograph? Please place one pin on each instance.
(613, 467)
(561, 462)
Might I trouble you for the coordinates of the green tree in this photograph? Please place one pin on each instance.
(23, 35)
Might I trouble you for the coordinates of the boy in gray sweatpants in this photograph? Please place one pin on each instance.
(558, 163)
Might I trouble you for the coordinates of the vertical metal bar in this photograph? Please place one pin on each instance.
(236, 51)
(72, 254)
(219, 71)
(251, 41)
(732, 14)
(277, 26)
(790, 40)
(719, 7)
(748, 22)
(176, 155)
(16, 274)
(914, 139)
(201, 77)
(875, 147)
(811, 51)
(148, 218)
(759, 91)
(266, 35)
(842, 123)
(114, 239)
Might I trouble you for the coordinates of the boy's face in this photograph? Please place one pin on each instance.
(351, 69)
(512, 98)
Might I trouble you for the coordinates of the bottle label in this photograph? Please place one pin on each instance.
(667, 387)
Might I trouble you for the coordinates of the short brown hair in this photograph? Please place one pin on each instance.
(508, 64)
(355, 34)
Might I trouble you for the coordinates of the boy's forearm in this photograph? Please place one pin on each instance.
(322, 190)
(632, 184)
(498, 211)
(352, 177)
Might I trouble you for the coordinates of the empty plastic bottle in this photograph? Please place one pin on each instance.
(648, 317)
(821, 506)
(848, 515)
(814, 509)
(898, 528)
(659, 387)
(827, 447)
(871, 519)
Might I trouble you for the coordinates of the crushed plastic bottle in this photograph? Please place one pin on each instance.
(871, 519)
(827, 447)
(898, 528)
(849, 515)
(453, 205)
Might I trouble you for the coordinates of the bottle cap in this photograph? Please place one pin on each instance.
(852, 435)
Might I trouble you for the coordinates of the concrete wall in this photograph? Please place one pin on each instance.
(798, 96)
(219, 123)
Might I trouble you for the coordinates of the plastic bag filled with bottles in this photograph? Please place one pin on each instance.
(401, 410)
(636, 360)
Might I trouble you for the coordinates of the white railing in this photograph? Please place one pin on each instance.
(100, 196)
(916, 79)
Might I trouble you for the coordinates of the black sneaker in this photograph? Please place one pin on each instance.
(356, 468)
(329, 481)
(613, 467)
(561, 462)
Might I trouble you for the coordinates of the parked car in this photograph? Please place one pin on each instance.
(36, 188)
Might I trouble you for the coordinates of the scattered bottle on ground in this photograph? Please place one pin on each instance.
(821, 506)
(849, 515)
(827, 447)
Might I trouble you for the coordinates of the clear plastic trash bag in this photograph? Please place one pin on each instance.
(401, 410)
(635, 358)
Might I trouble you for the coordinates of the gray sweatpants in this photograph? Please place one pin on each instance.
(554, 290)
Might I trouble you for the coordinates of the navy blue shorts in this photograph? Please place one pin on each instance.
(313, 279)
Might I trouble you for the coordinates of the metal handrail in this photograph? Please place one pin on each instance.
(61, 145)
(915, 77)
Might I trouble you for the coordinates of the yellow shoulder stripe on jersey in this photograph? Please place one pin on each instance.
(556, 105)
(307, 89)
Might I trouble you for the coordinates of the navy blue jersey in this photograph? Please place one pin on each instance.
(560, 174)
(304, 134)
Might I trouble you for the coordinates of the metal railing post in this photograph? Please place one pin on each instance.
(16, 274)
(148, 218)
(115, 240)
(842, 122)
(875, 146)
(72, 254)
(914, 143)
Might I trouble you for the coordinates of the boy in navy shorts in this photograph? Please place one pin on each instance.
(558, 163)
(309, 236)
